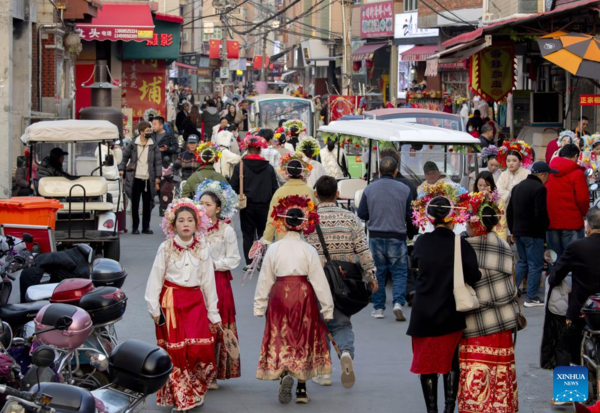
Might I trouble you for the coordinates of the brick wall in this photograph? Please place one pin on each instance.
(451, 5)
(48, 68)
(35, 73)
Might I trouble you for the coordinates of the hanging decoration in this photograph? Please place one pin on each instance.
(492, 72)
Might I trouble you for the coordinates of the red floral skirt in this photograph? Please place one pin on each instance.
(434, 354)
(187, 337)
(488, 379)
(295, 334)
(227, 367)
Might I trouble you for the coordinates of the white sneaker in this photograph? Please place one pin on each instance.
(398, 312)
(377, 313)
(324, 380)
(348, 377)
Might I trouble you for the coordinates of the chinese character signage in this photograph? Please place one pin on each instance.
(163, 44)
(377, 20)
(406, 27)
(493, 72)
(143, 86)
(589, 100)
(113, 33)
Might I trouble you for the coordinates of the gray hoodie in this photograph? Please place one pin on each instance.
(210, 117)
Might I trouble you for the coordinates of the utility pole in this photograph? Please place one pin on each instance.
(263, 69)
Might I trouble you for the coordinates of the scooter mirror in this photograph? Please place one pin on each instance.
(63, 323)
(594, 187)
(43, 356)
(99, 362)
(28, 238)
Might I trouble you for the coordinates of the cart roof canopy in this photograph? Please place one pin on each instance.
(275, 96)
(70, 131)
(399, 132)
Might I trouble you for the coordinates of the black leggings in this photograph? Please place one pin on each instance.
(141, 190)
(253, 220)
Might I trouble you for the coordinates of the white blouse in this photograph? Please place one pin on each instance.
(317, 172)
(508, 181)
(289, 257)
(188, 268)
(223, 247)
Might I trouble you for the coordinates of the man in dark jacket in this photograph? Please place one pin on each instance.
(204, 172)
(582, 260)
(210, 118)
(527, 217)
(568, 200)
(52, 165)
(20, 186)
(181, 115)
(260, 183)
(167, 142)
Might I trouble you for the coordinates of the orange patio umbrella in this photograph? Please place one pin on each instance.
(577, 53)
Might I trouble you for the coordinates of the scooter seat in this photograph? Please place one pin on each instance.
(66, 398)
(17, 315)
(40, 292)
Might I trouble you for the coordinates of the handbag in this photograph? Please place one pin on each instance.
(243, 200)
(464, 294)
(350, 292)
(521, 320)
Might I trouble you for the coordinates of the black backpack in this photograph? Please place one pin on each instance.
(350, 292)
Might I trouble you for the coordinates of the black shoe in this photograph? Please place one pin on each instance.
(136, 232)
(451, 390)
(286, 383)
(429, 384)
(147, 231)
(302, 395)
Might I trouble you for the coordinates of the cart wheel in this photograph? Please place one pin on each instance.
(112, 250)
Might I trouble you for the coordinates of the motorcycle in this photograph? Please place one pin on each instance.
(590, 345)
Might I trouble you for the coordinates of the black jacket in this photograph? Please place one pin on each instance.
(171, 142)
(582, 260)
(181, 115)
(527, 213)
(434, 309)
(260, 181)
(211, 118)
(188, 128)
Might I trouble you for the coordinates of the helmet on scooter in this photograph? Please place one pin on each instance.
(591, 312)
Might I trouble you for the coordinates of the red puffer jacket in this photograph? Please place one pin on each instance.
(568, 195)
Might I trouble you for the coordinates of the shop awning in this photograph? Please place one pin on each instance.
(456, 54)
(565, 9)
(366, 51)
(189, 67)
(119, 21)
(168, 18)
(419, 53)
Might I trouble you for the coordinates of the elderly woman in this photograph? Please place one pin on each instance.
(488, 380)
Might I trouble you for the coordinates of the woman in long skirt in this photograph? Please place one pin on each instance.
(488, 379)
(182, 298)
(290, 288)
(220, 202)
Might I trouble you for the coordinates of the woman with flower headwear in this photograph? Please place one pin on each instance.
(281, 137)
(182, 299)
(564, 138)
(488, 380)
(295, 130)
(435, 325)
(220, 202)
(259, 185)
(289, 290)
(309, 147)
(296, 168)
(515, 156)
(207, 154)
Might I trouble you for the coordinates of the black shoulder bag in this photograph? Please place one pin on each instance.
(350, 292)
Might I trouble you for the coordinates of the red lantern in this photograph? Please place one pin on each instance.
(357, 65)
(369, 63)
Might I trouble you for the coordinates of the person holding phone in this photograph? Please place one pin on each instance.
(182, 298)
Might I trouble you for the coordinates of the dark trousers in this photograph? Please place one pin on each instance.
(141, 190)
(253, 220)
(568, 347)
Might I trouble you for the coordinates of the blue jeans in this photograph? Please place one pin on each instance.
(391, 255)
(341, 330)
(558, 239)
(531, 263)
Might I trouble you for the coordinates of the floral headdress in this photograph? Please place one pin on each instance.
(488, 152)
(295, 123)
(518, 146)
(456, 194)
(254, 131)
(229, 199)
(568, 133)
(168, 221)
(280, 213)
(308, 142)
(279, 131)
(591, 141)
(285, 159)
(478, 201)
(253, 141)
(207, 153)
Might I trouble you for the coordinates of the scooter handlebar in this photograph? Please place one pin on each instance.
(9, 391)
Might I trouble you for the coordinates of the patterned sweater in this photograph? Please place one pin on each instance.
(344, 237)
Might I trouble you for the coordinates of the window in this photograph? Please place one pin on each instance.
(213, 34)
(410, 5)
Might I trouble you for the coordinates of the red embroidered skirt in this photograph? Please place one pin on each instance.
(434, 354)
(295, 334)
(227, 368)
(488, 379)
(186, 336)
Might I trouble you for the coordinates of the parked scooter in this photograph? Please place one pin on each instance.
(590, 345)
(171, 178)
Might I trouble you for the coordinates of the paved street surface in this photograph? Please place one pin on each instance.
(383, 354)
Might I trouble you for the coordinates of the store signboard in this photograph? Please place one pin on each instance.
(143, 86)
(493, 72)
(589, 100)
(407, 28)
(377, 20)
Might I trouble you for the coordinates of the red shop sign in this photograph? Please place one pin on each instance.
(143, 86)
(377, 20)
(589, 100)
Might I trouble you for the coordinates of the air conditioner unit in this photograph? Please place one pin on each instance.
(185, 37)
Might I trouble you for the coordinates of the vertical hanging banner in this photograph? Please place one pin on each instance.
(214, 50)
(492, 72)
(233, 49)
(143, 87)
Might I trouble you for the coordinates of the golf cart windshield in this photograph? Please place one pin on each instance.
(273, 110)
